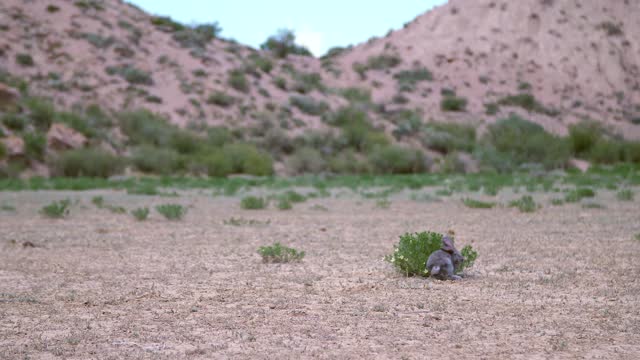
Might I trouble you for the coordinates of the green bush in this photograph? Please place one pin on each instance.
(131, 74)
(3, 151)
(309, 105)
(150, 159)
(578, 194)
(35, 145)
(514, 141)
(41, 112)
(14, 121)
(357, 95)
(247, 159)
(384, 61)
(90, 162)
(221, 99)
(278, 253)
(409, 78)
(145, 127)
(253, 203)
(166, 22)
(527, 102)
(280, 83)
(625, 195)
(449, 137)
(24, 60)
(172, 211)
(348, 162)
(306, 82)
(57, 209)
(140, 214)
(262, 63)
(525, 204)
(411, 254)
(238, 81)
(453, 103)
(284, 204)
(78, 123)
(214, 163)
(397, 160)
(283, 44)
(583, 136)
(218, 136)
(306, 160)
(477, 204)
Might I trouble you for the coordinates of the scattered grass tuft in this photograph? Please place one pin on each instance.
(278, 253)
(253, 203)
(525, 204)
(477, 204)
(172, 211)
(57, 209)
(625, 195)
(140, 214)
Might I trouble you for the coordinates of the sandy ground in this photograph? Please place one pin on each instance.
(560, 283)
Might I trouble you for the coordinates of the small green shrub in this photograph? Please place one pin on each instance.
(172, 211)
(280, 83)
(583, 136)
(306, 160)
(309, 105)
(140, 214)
(221, 99)
(449, 137)
(578, 194)
(149, 159)
(90, 162)
(247, 159)
(278, 253)
(52, 9)
(411, 254)
(383, 203)
(98, 201)
(167, 23)
(557, 202)
(397, 160)
(41, 112)
(238, 81)
(131, 74)
(409, 78)
(453, 103)
(24, 60)
(477, 204)
(294, 197)
(3, 151)
(57, 209)
(527, 102)
(214, 163)
(284, 204)
(637, 237)
(253, 203)
(35, 145)
(357, 95)
(384, 61)
(14, 121)
(625, 195)
(525, 204)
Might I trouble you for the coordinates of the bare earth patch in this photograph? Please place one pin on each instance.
(562, 282)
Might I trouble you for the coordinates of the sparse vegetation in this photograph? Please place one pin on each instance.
(525, 204)
(172, 211)
(140, 214)
(57, 209)
(625, 195)
(90, 162)
(24, 60)
(309, 105)
(453, 103)
(253, 203)
(278, 253)
(284, 44)
(477, 204)
(221, 99)
(528, 102)
(131, 74)
(238, 81)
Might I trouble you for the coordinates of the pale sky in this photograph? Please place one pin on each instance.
(319, 25)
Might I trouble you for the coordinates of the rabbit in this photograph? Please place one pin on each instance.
(442, 264)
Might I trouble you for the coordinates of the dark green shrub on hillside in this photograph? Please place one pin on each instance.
(306, 160)
(449, 137)
(15, 122)
(35, 145)
(166, 23)
(309, 105)
(218, 136)
(407, 79)
(362, 137)
(198, 36)
(453, 103)
(214, 163)
(584, 135)
(527, 102)
(131, 74)
(238, 81)
(221, 99)
(306, 82)
(91, 162)
(357, 95)
(163, 161)
(41, 112)
(247, 159)
(262, 63)
(284, 44)
(3, 151)
(384, 61)
(145, 127)
(78, 123)
(397, 160)
(24, 60)
(348, 162)
(514, 141)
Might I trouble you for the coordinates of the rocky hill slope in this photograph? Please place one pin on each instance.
(467, 62)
